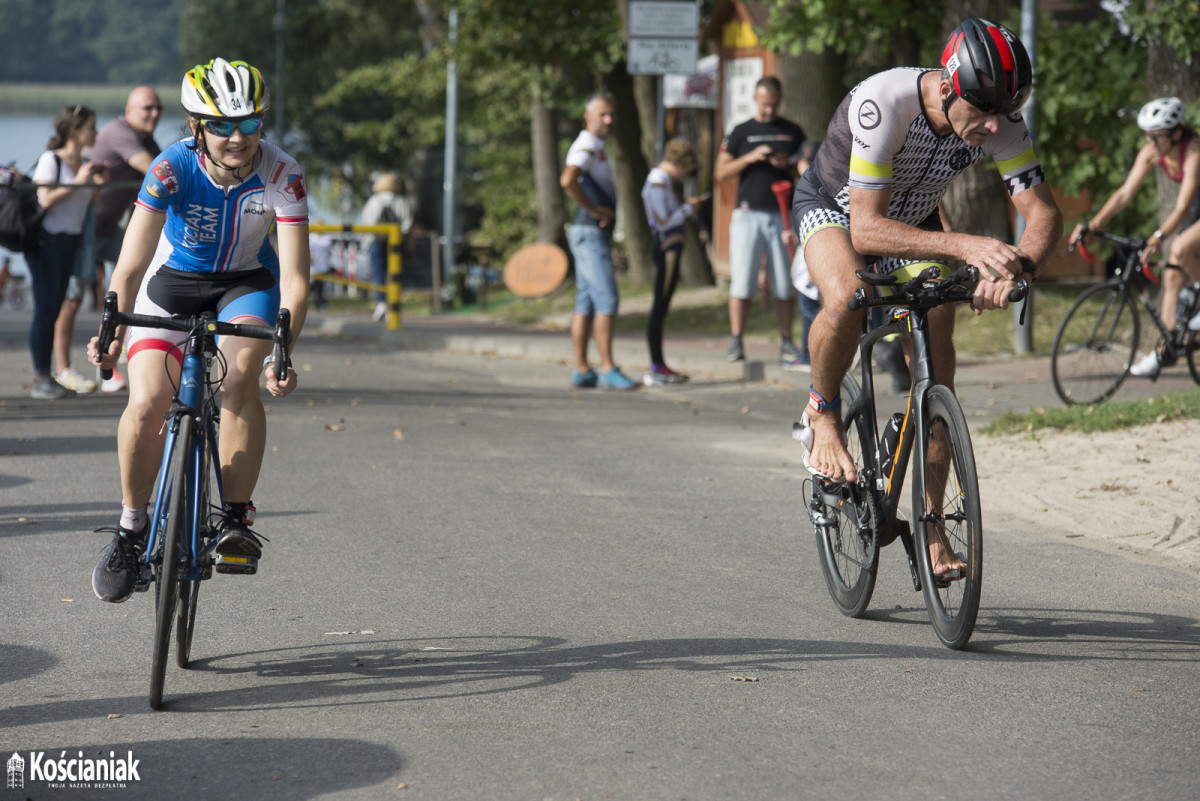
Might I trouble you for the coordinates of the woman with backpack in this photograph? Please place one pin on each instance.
(61, 172)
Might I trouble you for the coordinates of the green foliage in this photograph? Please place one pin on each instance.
(1111, 416)
(874, 34)
(89, 41)
(1086, 130)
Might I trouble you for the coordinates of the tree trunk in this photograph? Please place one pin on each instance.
(552, 211)
(696, 126)
(813, 86)
(645, 92)
(629, 170)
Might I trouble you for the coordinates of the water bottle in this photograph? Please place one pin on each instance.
(889, 441)
(1183, 311)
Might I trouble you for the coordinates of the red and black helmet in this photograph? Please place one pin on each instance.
(989, 66)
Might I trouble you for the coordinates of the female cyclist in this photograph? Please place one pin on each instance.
(197, 240)
(1171, 146)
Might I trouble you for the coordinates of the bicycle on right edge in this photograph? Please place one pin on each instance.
(188, 497)
(1098, 338)
(853, 521)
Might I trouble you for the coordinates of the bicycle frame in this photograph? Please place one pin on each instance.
(189, 400)
(913, 325)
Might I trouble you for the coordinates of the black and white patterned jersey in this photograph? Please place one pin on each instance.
(880, 138)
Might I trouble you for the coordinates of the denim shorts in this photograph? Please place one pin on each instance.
(595, 278)
(751, 235)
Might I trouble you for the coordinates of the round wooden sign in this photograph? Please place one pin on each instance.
(536, 270)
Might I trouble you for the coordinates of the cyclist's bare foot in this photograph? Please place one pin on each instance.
(828, 455)
(943, 558)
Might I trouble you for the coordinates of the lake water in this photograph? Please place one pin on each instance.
(23, 139)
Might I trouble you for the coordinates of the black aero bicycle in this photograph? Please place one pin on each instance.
(188, 498)
(1098, 338)
(853, 521)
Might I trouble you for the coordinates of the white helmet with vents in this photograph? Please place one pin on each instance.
(1160, 114)
(221, 89)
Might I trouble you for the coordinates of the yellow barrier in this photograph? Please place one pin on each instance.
(395, 263)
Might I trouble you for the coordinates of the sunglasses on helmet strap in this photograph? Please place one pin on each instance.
(224, 128)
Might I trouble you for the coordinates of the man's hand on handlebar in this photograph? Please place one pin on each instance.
(996, 260)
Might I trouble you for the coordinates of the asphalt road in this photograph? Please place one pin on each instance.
(481, 585)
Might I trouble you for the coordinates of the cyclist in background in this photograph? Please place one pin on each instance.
(870, 200)
(197, 241)
(1172, 148)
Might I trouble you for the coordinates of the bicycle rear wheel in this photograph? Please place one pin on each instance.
(1193, 345)
(1095, 345)
(946, 503)
(168, 584)
(844, 519)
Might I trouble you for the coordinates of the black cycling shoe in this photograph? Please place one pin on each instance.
(119, 573)
(238, 548)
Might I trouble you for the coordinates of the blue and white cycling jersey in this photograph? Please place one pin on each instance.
(214, 229)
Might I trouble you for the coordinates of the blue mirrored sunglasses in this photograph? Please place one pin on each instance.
(224, 128)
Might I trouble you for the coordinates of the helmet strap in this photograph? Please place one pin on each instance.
(946, 111)
(203, 142)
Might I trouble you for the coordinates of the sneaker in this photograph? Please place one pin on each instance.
(380, 311)
(1194, 323)
(49, 389)
(735, 353)
(797, 365)
(583, 380)
(119, 572)
(661, 375)
(1148, 366)
(788, 352)
(70, 379)
(238, 548)
(114, 384)
(615, 379)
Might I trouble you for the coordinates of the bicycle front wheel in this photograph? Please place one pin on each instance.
(168, 585)
(844, 519)
(1095, 345)
(946, 508)
(189, 589)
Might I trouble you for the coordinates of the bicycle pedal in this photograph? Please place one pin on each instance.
(236, 565)
(143, 580)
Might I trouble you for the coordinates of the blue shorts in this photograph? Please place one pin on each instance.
(243, 296)
(595, 278)
(751, 235)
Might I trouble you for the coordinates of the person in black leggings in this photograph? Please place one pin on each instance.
(668, 223)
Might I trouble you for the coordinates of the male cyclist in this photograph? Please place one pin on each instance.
(197, 241)
(870, 200)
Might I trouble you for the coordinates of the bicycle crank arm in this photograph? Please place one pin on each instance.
(906, 539)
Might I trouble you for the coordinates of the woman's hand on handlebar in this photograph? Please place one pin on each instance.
(280, 388)
(110, 359)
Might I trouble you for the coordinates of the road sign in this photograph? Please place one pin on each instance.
(662, 56)
(673, 20)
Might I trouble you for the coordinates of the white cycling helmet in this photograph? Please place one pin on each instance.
(1161, 114)
(221, 89)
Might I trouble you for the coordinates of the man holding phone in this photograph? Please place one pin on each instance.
(760, 152)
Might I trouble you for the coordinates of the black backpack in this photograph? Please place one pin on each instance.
(20, 212)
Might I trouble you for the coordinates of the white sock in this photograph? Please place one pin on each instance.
(134, 519)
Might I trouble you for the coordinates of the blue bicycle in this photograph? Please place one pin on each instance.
(188, 497)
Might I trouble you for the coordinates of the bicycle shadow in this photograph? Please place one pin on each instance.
(1053, 635)
(369, 671)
